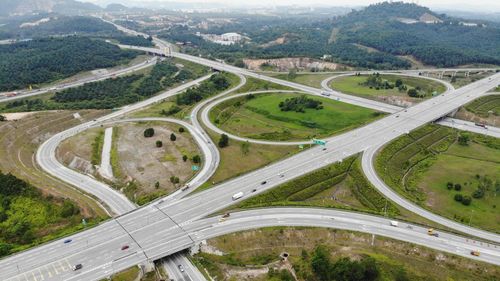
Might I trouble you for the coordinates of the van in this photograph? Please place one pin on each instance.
(237, 195)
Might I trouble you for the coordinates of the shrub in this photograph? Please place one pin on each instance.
(181, 130)
(479, 193)
(196, 159)
(463, 139)
(459, 197)
(223, 141)
(173, 137)
(149, 132)
(458, 187)
(184, 158)
(159, 143)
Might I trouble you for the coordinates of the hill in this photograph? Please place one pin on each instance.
(21, 7)
(379, 36)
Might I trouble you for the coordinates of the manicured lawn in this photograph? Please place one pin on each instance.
(420, 165)
(353, 85)
(261, 118)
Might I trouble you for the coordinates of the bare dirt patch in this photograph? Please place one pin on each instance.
(140, 160)
(76, 152)
(285, 64)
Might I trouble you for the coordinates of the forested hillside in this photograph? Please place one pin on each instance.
(27, 217)
(373, 37)
(44, 60)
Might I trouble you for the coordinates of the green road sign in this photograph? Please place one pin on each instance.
(195, 168)
(320, 142)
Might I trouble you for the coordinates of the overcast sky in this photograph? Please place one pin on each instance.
(476, 5)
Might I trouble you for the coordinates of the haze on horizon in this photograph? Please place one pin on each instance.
(490, 6)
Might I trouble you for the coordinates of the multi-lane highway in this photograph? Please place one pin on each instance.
(166, 227)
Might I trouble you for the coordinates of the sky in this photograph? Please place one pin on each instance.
(464, 5)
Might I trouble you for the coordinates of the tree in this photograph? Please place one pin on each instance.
(458, 197)
(223, 141)
(157, 184)
(149, 132)
(398, 83)
(159, 143)
(174, 179)
(173, 137)
(196, 159)
(458, 187)
(184, 158)
(2, 118)
(320, 263)
(466, 200)
(181, 130)
(412, 93)
(463, 139)
(449, 185)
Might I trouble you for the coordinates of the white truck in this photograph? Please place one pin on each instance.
(237, 196)
(394, 223)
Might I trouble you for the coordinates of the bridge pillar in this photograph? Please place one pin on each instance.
(147, 266)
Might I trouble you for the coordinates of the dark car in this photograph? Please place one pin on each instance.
(77, 266)
(125, 247)
(264, 182)
(254, 190)
(67, 241)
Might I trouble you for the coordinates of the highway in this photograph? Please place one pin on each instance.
(99, 250)
(66, 85)
(189, 272)
(164, 228)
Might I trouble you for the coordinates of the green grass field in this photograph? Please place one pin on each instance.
(352, 85)
(261, 118)
(420, 165)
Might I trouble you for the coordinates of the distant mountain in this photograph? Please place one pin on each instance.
(404, 29)
(21, 7)
(115, 7)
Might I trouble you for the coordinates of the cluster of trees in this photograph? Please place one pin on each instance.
(214, 84)
(44, 60)
(484, 185)
(24, 210)
(109, 93)
(134, 40)
(344, 269)
(223, 141)
(300, 104)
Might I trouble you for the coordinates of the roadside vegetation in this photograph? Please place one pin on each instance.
(135, 274)
(44, 60)
(109, 93)
(454, 174)
(485, 110)
(388, 88)
(460, 78)
(28, 217)
(180, 106)
(19, 141)
(318, 254)
(283, 117)
(339, 185)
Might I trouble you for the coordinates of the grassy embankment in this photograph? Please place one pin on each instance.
(249, 255)
(430, 167)
(354, 85)
(260, 117)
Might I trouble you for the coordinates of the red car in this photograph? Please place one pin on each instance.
(125, 247)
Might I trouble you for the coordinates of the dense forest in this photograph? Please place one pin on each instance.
(345, 38)
(26, 214)
(109, 93)
(44, 60)
(56, 26)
